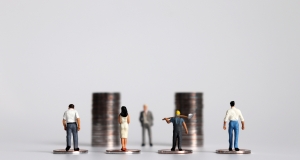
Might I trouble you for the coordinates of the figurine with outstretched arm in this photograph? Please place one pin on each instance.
(233, 115)
(178, 122)
(124, 120)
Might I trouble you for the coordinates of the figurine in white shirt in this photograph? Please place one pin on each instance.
(71, 122)
(233, 115)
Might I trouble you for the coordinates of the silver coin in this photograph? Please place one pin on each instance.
(71, 151)
(119, 151)
(226, 151)
(105, 111)
(168, 151)
(191, 103)
(105, 138)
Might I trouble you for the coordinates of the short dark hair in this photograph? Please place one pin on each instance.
(232, 103)
(71, 106)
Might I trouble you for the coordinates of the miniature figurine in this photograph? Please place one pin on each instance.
(146, 120)
(124, 120)
(233, 115)
(71, 123)
(178, 122)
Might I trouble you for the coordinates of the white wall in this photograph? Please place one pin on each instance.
(53, 53)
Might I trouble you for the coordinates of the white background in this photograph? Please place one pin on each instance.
(53, 53)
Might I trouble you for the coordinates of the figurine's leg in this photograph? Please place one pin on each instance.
(143, 134)
(230, 128)
(174, 140)
(122, 143)
(149, 134)
(125, 142)
(75, 136)
(236, 135)
(179, 140)
(68, 137)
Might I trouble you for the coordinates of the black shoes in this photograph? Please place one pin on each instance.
(143, 144)
(172, 149)
(180, 149)
(236, 149)
(67, 148)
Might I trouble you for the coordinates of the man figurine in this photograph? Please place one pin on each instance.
(178, 122)
(71, 122)
(146, 120)
(233, 115)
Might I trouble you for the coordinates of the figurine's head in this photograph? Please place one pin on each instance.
(124, 112)
(145, 107)
(232, 103)
(177, 113)
(71, 106)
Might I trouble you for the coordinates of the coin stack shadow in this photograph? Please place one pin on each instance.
(191, 103)
(105, 126)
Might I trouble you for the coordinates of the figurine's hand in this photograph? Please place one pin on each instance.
(243, 127)
(224, 127)
(187, 132)
(78, 128)
(65, 128)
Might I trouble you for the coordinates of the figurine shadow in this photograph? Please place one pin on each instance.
(63, 144)
(163, 144)
(39, 151)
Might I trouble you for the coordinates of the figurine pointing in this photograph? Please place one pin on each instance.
(178, 122)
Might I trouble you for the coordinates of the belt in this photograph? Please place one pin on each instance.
(71, 123)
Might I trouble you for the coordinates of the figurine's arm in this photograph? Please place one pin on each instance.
(119, 119)
(182, 116)
(151, 115)
(226, 119)
(78, 124)
(242, 120)
(64, 124)
(224, 126)
(151, 118)
(128, 119)
(243, 125)
(185, 128)
(141, 116)
(167, 120)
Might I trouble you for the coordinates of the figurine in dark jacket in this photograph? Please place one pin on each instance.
(146, 119)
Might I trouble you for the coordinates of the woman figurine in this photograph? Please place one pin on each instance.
(124, 120)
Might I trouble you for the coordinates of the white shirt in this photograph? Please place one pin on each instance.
(233, 114)
(145, 117)
(71, 115)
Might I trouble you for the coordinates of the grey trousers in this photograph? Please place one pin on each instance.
(72, 129)
(148, 127)
(177, 136)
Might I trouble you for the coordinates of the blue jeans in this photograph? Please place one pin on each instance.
(72, 129)
(233, 126)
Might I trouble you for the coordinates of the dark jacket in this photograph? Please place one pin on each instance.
(149, 118)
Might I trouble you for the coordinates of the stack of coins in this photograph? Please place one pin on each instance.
(105, 126)
(191, 103)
